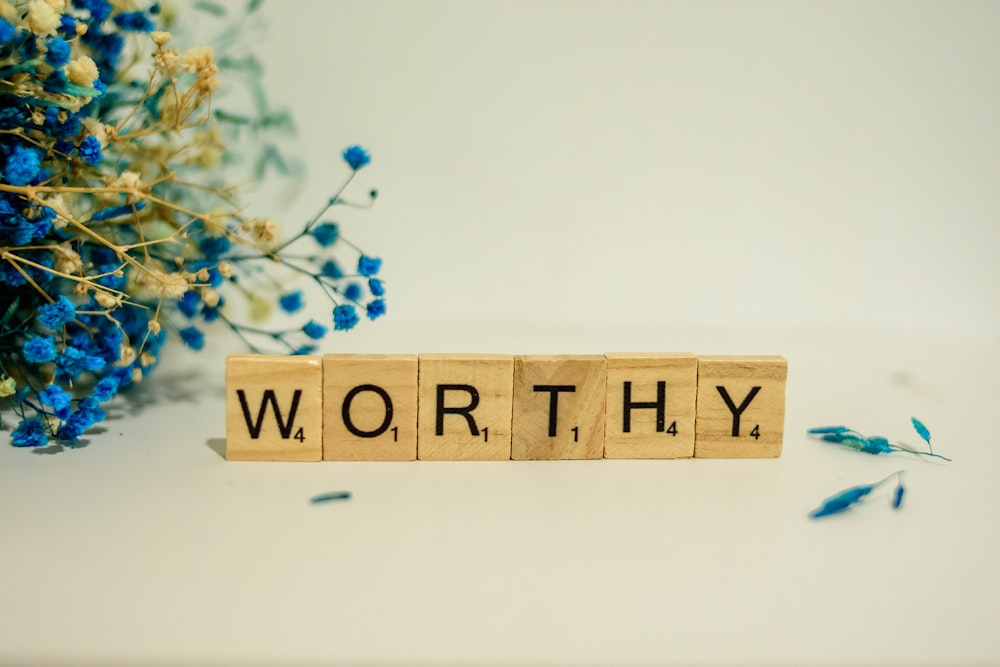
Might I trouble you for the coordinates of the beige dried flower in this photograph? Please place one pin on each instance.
(8, 386)
(262, 230)
(106, 300)
(160, 37)
(82, 71)
(170, 285)
(67, 260)
(42, 19)
(210, 297)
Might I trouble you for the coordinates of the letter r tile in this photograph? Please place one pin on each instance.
(464, 407)
(370, 407)
(274, 408)
(741, 407)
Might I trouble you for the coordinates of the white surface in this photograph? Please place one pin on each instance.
(146, 547)
(812, 179)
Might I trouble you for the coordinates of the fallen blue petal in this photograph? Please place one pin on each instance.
(921, 430)
(897, 497)
(822, 430)
(842, 501)
(327, 497)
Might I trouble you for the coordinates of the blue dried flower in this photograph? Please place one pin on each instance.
(39, 350)
(356, 157)
(57, 398)
(291, 302)
(87, 413)
(345, 317)
(22, 165)
(90, 150)
(376, 286)
(314, 330)
(331, 269)
(117, 211)
(54, 315)
(105, 389)
(376, 309)
(134, 22)
(326, 234)
(99, 9)
(30, 433)
(7, 31)
(57, 51)
(369, 266)
(214, 246)
(74, 361)
(189, 303)
(193, 337)
(353, 291)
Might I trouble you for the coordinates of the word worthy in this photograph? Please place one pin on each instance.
(491, 407)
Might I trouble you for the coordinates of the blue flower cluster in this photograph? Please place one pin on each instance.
(91, 286)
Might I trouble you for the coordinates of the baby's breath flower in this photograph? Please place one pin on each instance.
(67, 260)
(210, 297)
(199, 59)
(82, 71)
(160, 37)
(42, 18)
(107, 300)
(170, 285)
(262, 230)
(108, 235)
(167, 61)
(127, 180)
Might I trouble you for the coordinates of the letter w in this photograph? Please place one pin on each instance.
(285, 428)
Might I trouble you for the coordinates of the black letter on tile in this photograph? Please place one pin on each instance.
(660, 404)
(737, 411)
(465, 412)
(554, 390)
(284, 428)
(345, 411)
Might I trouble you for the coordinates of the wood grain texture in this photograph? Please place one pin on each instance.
(653, 432)
(453, 430)
(378, 393)
(558, 407)
(264, 419)
(761, 424)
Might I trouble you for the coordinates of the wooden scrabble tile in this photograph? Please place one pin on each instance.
(558, 407)
(741, 407)
(464, 407)
(370, 407)
(650, 405)
(274, 408)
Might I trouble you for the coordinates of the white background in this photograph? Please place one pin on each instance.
(809, 179)
(731, 164)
